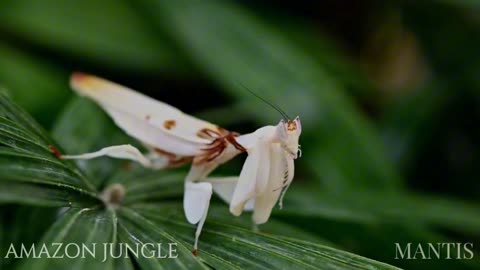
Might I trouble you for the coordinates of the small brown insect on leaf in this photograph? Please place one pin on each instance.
(195, 252)
(169, 124)
(55, 151)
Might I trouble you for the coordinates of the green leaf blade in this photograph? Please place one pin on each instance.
(246, 249)
(81, 227)
(29, 171)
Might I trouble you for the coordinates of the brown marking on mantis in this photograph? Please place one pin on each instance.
(195, 252)
(169, 124)
(207, 133)
(216, 153)
(173, 160)
(172, 163)
(214, 149)
(231, 139)
(55, 151)
(221, 139)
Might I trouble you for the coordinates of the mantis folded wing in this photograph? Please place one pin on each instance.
(174, 138)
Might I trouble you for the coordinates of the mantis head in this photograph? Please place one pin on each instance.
(288, 133)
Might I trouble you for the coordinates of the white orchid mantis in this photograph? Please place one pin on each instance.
(174, 138)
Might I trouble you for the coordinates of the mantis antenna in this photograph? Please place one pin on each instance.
(275, 107)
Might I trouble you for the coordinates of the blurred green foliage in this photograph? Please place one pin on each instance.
(388, 93)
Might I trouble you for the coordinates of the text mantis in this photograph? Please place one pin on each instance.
(174, 138)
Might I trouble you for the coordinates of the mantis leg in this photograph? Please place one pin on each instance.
(125, 151)
(253, 178)
(224, 188)
(291, 171)
(196, 201)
